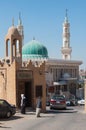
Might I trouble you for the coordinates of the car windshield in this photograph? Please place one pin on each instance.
(55, 97)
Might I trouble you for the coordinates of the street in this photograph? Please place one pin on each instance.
(71, 119)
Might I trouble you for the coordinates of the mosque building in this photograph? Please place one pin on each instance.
(27, 69)
(18, 77)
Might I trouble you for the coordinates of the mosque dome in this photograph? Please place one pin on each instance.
(34, 50)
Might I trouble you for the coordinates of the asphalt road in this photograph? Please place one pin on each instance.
(74, 118)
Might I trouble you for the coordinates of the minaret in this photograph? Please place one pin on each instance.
(11, 39)
(66, 49)
(20, 28)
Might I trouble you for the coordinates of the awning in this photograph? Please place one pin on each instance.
(60, 83)
(68, 79)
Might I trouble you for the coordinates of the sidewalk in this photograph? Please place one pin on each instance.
(28, 110)
(31, 113)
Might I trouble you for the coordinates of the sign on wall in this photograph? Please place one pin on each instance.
(24, 75)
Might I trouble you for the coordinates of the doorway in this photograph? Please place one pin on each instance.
(28, 94)
(72, 89)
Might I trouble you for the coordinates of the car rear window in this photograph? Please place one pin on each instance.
(58, 97)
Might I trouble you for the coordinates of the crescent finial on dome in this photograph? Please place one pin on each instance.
(66, 16)
(33, 38)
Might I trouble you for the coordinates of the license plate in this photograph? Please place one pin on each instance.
(58, 102)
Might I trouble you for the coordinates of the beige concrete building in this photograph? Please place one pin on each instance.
(62, 76)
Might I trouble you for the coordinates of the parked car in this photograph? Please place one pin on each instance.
(81, 102)
(68, 103)
(6, 109)
(58, 101)
(71, 102)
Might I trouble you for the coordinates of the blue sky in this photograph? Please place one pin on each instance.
(43, 20)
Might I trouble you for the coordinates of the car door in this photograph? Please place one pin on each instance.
(3, 108)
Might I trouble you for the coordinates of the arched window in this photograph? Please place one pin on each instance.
(8, 48)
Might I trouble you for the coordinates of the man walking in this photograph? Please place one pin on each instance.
(38, 107)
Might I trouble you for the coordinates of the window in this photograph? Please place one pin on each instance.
(3, 103)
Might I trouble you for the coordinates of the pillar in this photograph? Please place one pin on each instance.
(85, 94)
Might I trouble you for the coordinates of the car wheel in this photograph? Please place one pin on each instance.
(65, 108)
(8, 114)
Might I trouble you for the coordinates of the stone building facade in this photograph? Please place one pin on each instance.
(64, 76)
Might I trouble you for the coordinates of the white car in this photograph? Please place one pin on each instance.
(81, 102)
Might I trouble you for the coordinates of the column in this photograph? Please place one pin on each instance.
(85, 93)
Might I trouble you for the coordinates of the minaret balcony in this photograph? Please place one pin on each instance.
(66, 50)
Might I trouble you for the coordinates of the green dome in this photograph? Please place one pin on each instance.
(33, 50)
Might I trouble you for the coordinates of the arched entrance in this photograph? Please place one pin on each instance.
(24, 87)
(28, 93)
